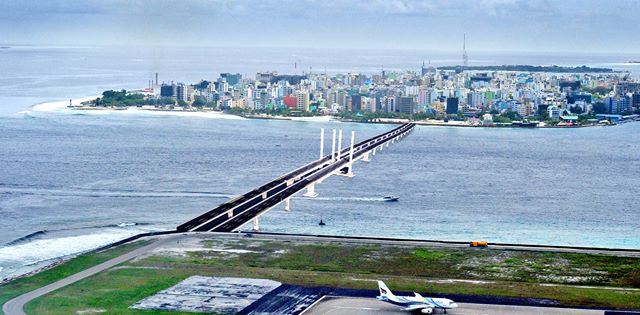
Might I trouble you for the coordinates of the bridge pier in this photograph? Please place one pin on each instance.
(373, 152)
(287, 204)
(339, 144)
(333, 147)
(350, 164)
(256, 224)
(365, 157)
(321, 143)
(311, 191)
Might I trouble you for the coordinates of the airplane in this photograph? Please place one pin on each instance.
(424, 305)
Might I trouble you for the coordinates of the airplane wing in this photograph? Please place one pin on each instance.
(415, 307)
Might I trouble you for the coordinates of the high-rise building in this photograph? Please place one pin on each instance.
(406, 105)
(302, 101)
(167, 90)
(452, 105)
(553, 112)
(635, 100)
(290, 101)
(624, 104)
(569, 85)
(356, 103)
(475, 99)
(342, 99)
(390, 104)
(231, 78)
(622, 88)
(182, 93)
(611, 104)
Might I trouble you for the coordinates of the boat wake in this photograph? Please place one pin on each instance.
(98, 193)
(347, 199)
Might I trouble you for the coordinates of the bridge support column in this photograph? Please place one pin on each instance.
(256, 224)
(264, 195)
(365, 157)
(321, 142)
(311, 191)
(340, 144)
(230, 213)
(350, 163)
(333, 147)
(387, 144)
(287, 204)
(373, 152)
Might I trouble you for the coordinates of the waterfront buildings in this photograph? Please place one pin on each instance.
(431, 91)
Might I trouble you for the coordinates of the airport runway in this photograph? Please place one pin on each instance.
(355, 306)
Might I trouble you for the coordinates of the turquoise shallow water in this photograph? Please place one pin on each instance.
(86, 180)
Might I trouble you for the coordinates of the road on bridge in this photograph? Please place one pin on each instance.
(233, 214)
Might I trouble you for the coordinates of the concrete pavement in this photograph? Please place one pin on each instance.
(355, 306)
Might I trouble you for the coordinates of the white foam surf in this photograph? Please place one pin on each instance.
(57, 106)
(22, 258)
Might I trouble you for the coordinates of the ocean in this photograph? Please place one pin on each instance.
(74, 181)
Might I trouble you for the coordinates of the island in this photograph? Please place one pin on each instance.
(530, 68)
(488, 96)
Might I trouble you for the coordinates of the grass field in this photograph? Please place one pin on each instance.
(27, 284)
(573, 279)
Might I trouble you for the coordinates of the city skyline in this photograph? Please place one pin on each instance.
(490, 25)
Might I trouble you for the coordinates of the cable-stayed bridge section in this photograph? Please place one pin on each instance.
(238, 211)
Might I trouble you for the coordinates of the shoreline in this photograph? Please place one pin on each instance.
(77, 107)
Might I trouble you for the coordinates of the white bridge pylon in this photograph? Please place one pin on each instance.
(241, 210)
(337, 155)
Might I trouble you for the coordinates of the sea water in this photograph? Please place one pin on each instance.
(71, 181)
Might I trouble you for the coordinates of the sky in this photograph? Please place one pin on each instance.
(490, 25)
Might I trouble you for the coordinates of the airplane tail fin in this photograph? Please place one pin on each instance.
(384, 291)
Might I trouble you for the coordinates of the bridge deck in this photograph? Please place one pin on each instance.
(240, 210)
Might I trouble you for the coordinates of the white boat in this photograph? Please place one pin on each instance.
(391, 198)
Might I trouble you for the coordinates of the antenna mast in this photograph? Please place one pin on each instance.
(465, 57)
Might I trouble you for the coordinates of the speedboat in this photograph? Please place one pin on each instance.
(391, 198)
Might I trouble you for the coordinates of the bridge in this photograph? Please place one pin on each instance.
(240, 210)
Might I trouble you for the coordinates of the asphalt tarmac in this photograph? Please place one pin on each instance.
(355, 306)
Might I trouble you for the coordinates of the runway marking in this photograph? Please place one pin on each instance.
(338, 308)
(358, 308)
(313, 304)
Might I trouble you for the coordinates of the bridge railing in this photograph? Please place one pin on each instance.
(222, 224)
(253, 197)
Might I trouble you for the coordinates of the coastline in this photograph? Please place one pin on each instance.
(77, 107)
(63, 107)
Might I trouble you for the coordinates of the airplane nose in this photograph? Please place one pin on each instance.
(453, 305)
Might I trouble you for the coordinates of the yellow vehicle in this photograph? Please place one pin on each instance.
(479, 244)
